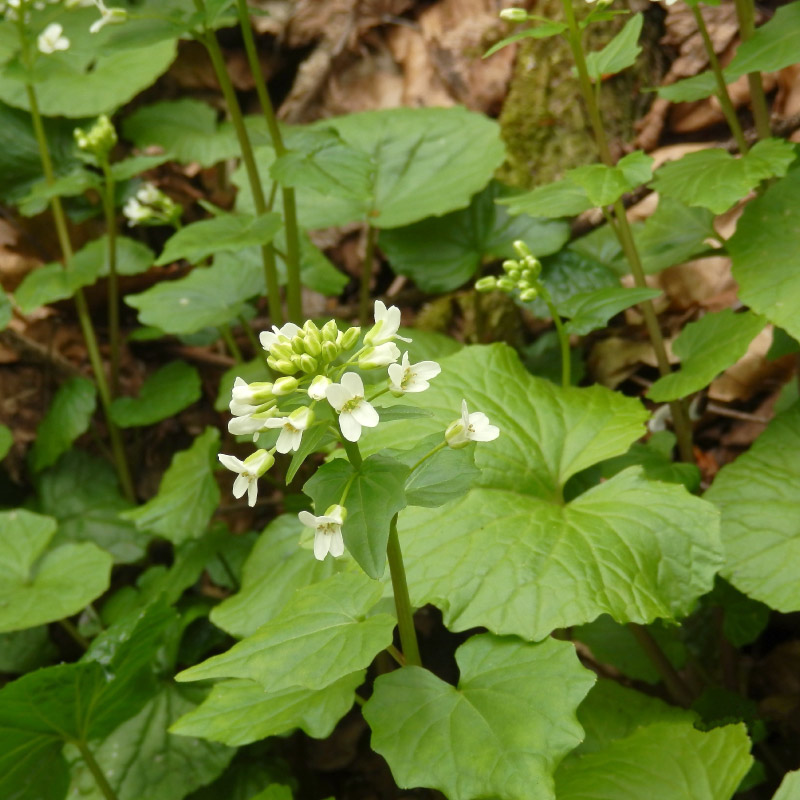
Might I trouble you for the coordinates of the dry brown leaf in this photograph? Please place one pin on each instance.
(614, 359)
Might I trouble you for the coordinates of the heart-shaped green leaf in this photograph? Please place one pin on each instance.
(619, 54)
(322, 634)
(38, 586)
(500, 734)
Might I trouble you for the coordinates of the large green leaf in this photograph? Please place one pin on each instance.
(275, 568)
(26, 650)
(760, 486)
(772, 47)
(714, 179)
(83, 495)
(511, 555)
(133, 257)
(66, 419)
(86, 80)
(167, 391)
(427, 161)
(37, 586)
(590, 311)
(187, 496)
(442, 253)
(706, 348)
(789, 788)
(620, 53)
(206, 298)
(637, 746)
(231, 232)
(500, 734)
(239, 712)
(764, 253)
(322, 634)
(77, 702)
(141, 759)
(376, 494)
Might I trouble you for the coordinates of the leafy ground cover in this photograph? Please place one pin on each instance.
(333, 465)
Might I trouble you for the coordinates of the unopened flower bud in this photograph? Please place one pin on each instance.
(252, 393)
(533, 265)
(298, 344)
(281, 350)
(318, 386)
(330, 330)
(330, 352)
(284, 386)
(505, 284)
(349, 338)
(99, 140)
(509, 264)
(486, 284)
(380, 356)
(514, 274)
(527, 275)
(310, 329)
(455, 435)
(528, 295)
(335, 510)
(514, 14)
(308, 364)
(522, 249)
(313, 344)
(282, 365)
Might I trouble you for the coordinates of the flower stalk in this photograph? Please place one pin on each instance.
(366, 276)
(745, 13)
(683, 430)
(113, 280)
(402, 600)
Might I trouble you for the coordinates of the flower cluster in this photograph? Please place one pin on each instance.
(314, 363)
(521, 274)
(150, 206)
(98, 141)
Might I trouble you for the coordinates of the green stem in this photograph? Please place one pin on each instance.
(230, 343)
(563, 340)
(97, 773)
(678, 690)
(113, 283)
(74, 634)
(209, 40)
(294, 297)
(366, 277)
(746, 14)
(353, 452)
(427, 456)
(402, 601)
(84, 317)
(722, 88)
(683, 430)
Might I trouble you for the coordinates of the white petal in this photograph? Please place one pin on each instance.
(478, 419)
(365, 415)
(308, 519)
(284, 443)
(396, 375)
(353, 384)
(289, 330)
(267, 339)
(240, 486)
(416, 384)
(337, 544)
(464, 414)
(351, 430)
(244, 425)
(337, 395)
(275, 422)
(231, 462)
(380, 310)
(426, 370)
(322, 545)
(252, 492)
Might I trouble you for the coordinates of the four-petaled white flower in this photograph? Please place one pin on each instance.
(387, 321)
(51, 39)
(292, 428)
(473, 427)
(108, 16)
(355, 412)
(327, 531)
(407, 377)
(269, 338)
(380, 356)
(250, 470)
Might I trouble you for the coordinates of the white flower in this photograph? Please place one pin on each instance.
(250, 470)
(327, 531)
(318, 387)
(355, 412)
(292, 428)
(135, 212)
(148, 194)
(52, 39)
(108, 16)
(269, 338)
(407, 377)
(253, 422)
(380, 356)
(470, 428)
(387, 321)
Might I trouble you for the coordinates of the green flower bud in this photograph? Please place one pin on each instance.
(514, 274)
(508, 265)
(308, 364)
(100, 139)
(455, 435)
(349, 338)
(310, 329)
(330, 331)
(330, 352)
(523, 251)
(313, 344)
(514, 14)
(528, 294)
(533, 265)
(284, 386)
(298, 344)
(527, 275)
(282, 365)
(505, 284)
(486, 284)
(282, 350)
